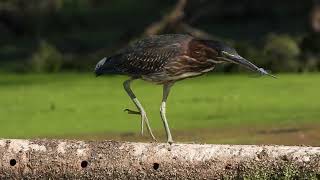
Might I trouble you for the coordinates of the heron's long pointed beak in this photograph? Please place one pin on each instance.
(236, 59)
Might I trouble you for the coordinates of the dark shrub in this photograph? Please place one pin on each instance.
(281, 53)
(46, 59)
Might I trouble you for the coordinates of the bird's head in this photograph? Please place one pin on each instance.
(218, 52)
(99, 67)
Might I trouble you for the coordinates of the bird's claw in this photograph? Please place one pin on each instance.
(129, 111)
(144, 119)
(170, 142)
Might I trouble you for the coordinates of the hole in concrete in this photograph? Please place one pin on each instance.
(156, 166)
(284, 158)
(228, 166)
(13, 162)
(84, 164)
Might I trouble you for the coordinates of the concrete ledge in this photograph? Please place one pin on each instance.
(68, 159)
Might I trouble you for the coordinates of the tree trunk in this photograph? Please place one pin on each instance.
(68, 159)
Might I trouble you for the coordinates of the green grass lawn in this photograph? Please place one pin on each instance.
(214, 108)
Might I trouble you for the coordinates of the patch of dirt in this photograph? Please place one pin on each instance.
(307, 134)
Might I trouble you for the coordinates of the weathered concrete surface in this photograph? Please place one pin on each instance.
(67, 159)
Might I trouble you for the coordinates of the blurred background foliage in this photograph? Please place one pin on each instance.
(72, 35)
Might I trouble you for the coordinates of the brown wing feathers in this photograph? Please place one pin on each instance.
(172, 55)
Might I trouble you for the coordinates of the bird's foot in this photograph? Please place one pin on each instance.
(170, 141)
(144, 120)
(129, 111)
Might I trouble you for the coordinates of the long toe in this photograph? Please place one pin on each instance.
(129, 111)
(153, 138)
(146, 121)
(142, 126)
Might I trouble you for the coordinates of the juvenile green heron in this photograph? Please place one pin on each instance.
(165, 59)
